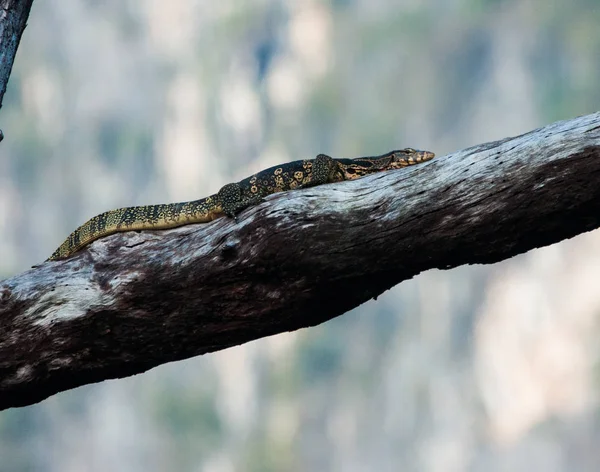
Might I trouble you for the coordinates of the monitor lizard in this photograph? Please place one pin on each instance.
(235, 197)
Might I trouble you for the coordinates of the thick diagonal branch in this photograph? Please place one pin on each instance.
(133, 301)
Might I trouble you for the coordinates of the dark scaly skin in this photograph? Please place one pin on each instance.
(233, 198)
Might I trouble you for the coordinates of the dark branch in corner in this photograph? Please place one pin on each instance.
(13, 19)
(132, 301)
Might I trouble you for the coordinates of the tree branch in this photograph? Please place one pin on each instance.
(13, 19)
(132, 301)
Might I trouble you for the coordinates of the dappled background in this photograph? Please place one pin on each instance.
(483, 368)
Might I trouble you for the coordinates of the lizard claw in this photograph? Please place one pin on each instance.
(233, 216)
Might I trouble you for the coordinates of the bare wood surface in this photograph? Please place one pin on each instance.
(132, 301)
(13, 19)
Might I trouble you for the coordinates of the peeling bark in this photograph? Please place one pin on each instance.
(132, 301)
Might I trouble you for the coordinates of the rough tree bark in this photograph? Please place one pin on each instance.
(132, 301)
(13, 19)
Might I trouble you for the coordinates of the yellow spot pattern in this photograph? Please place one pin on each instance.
(233, 198)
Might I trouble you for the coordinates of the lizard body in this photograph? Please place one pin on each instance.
(235, 197)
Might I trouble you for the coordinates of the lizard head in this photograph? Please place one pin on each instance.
(407, 157)
(355, 168)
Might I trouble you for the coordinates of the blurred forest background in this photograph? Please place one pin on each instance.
(485, 368)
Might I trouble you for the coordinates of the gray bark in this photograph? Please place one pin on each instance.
(132, 301)
(13, 19)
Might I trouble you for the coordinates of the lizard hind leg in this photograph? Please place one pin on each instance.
(230, 197)
(233, 201)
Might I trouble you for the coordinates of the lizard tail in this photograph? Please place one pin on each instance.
(137, 218)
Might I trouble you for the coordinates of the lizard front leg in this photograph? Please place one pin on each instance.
(325, 170)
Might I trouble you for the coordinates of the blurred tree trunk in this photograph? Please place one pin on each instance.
(133, 301)
(13, 19)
